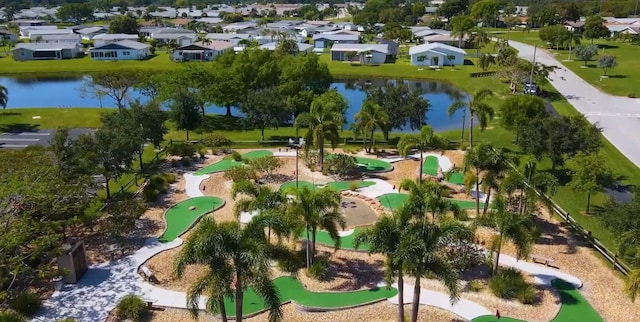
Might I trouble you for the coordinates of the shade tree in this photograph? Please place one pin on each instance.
(517, 111)
(594, 28)
(114, 84)
(264, 108)
(402, 105)
(124, 24)
(607, 62)
(185, 111)
(589, 174)
(478, 108)
(585, 53)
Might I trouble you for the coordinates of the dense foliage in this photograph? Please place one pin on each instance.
(131, 307)
(623, 220)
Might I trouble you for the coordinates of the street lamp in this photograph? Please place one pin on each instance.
(296, 144)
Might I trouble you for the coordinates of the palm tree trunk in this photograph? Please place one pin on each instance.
(239, 297)
(420, 170)
(308, 245)
(415, 305)
(223, 310)
(496, 261)
(470, 129)
(371, 141)
(477, 191)
(321, 152)
(588, 201)
(486, 203)
(187, 134)
(313, 245)
(400, 295)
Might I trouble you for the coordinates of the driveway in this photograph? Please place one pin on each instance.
(23, 139)
(619, 117)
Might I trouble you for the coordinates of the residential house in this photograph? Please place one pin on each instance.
(445, 38)
(302, 47)
(29, 23)
(574, 26)
(90, 32)
(322, 41)
(201, 51)
(393, 46)
(241, 27)
(75, 38)
(8, 36)
(38, 51)
(230, 38)
(39, 33)
(121, 50)
(210, 21)
(181, 36)
(436, 54)
(104, 39)
(26, 30)
(181, 22)
(362, 53)
(347, 26)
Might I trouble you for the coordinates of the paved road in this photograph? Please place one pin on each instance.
(20, 140)
(618, 116)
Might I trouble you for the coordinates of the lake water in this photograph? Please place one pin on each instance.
(65, 92)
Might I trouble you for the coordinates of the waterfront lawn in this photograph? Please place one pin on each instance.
(31, 119)
(623, 80)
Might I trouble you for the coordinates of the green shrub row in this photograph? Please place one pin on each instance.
(158, 184)
(509, 283)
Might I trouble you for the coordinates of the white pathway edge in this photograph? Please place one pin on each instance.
(192, 184)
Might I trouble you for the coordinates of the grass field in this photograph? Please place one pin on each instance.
(395, 200)
(179, 218)
(622, 81)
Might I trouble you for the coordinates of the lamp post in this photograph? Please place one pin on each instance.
(297, 144)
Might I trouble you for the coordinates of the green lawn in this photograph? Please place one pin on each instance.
(396, 200)
(290, 289)
(227, 164)
(623, 80)
(346, 242)
(336, 185)
(456, 177)
(430, 165)
(179, 218)
(49, 118)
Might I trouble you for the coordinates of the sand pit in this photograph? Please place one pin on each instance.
(356, 212)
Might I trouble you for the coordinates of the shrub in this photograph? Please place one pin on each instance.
(11, 316)
(175, 163)
(631, 95)
(150, 193)
(476, 286)
(202, 151)
(319, 269)
(131, 307)
(240, 173)
(152, 50)
(26, 303)
(170, 177)
(159, 182)
(509, 283)
(353, 185)
(216, 141)
(186, 162)
(266, 165)
(236, 156)
(341, 165)
(181, 149)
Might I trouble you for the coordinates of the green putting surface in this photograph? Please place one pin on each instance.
(179, 218)
(336, 185)
(290, 289)
(370, 165)
(430, 165)
(227, 164)
(346, 242)
(456, 178)
(395, 200)
(574, 307)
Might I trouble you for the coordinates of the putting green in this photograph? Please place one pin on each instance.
(336, 185)
(370, 165)
(430, 165)
(346, 242)
(290, 289)
(227, 164)
(179, 218)
(456, 177)
(395, 200)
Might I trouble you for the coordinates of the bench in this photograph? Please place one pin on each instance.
(149, 303)
(542, 260)
(148, 275)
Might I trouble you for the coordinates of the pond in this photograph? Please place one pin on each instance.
(65, 92)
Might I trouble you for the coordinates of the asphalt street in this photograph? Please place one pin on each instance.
(619, 117)
(21, 140)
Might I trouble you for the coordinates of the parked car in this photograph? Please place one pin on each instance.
(530, 88)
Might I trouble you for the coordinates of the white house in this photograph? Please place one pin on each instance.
(302, 47)
(121, 50)
(39, 51)
(362, 53)
(105, 39)
(180, 39)
(436, 54)
(201, 51)
(26, 30)
(90, 32)
(231, 38)
(75, 38)
(36, 34)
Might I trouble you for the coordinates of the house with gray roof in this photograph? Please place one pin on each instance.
(322, 41)
(41, 51)
(8, 36)
(361, 53)
(60, 38)
(302, 47)
(230, 38)
(182, 39)
(201, 51)
(121, 50)
(240, 27)
(90, 32)
(104, 39)
(436, 54)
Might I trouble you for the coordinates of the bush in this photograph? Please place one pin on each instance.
(265, 165)
(175, 163)
(131, 307)
(509, 283)
(240, 173)
(319, 269)
(152, 50)
(26, 303)
(11, 316)
(170, 177)
(186, 162)
(631, 95)
(476, 286)
(150, 193)
(236, 156)
(181, 149)
(216, 141)
(341, 165)
(353, 185)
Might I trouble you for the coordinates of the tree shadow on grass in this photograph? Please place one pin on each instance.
(19, 127)
(468, 62)
(354, 273)
(618, 76)
(221, 123)
(607, 46)
(563, 175)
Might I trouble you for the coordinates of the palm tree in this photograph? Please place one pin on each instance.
(518, 228)
(172, 45)
(479, 158)
(496, 167)
(237, 258)
(428, 198)
(370, 118)
(461, 26)
(317, 209)
(477, 107)
(421, 141)
(543, 182)
(4, 97)
(388, 237)
(324, 120)
(206, 41)
(268, 202)
(480, 39)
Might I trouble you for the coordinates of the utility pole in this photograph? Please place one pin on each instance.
(533, 63)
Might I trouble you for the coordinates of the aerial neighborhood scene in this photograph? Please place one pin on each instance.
(373, 160)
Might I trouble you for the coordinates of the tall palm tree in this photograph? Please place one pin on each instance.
(428, 198)
(543, 182)
(370, 118)
(267, 202)
(237, 258)
(461, 26)
(421, 141)
(206, 41)
(317, 209)
(324, 120)
(480, 39)
(481, 157)
(4, 97)
(520, 229)
(388, 236)
(477, 107)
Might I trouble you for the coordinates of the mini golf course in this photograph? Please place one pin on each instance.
(336, 185)
(181, 216)
(370, 165)
(346, 242)
(395, 200)
(290, 289)
(456, 177)
(229, 163)
(430, 165)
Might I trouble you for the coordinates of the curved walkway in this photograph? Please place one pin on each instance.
(618, 116)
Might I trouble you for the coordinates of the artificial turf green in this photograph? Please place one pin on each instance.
(395, 200)
(336, 185)
(346, 242)
(290, 289)
(370, 165)
(227, 164)
(456, 177)
(430, 165)
(179, 218)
